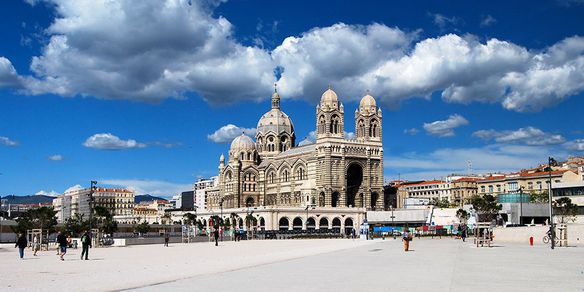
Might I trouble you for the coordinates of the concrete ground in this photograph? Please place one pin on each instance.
(301, 265)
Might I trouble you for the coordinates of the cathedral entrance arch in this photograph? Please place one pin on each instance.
(323, 223)
(284, 224)
(337, 225)
(348, 226)
(297, 224)
(310, 224)
(354, 180)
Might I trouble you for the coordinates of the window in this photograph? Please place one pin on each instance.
(490, 189)
(498, 188)
(482, 189)
(513, 186)
(530, 186)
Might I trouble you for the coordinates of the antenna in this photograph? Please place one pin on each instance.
(469, 167)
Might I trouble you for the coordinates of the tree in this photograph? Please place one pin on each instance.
(486, 206)
(76, 225)
(105, 220)
(189, 218)
(142, 228)
(541, 197)
(38, 218)
(565, 210)
(440, 203)
(462, 215)
(250, 221)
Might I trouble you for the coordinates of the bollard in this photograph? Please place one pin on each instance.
(531, 240)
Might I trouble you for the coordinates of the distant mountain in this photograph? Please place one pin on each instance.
(146, 198)
(33, 199)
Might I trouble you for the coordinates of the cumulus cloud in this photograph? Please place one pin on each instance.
(488, 20)
(312, 136)
(446, 127)
(7, 141)
(56, 157)
(8, 75)
(411, 131)
(526, 136)
(227, 133)
(181, 48)
(147, 51)
(107, 141)
(151, 187)
(577, 145)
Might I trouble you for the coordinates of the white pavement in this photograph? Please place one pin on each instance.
(302, 265)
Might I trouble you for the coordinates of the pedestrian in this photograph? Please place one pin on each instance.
(407, 237)
(166, 238)
(353, 232)
(36, 244)
(85, 245)
(21, 243)
(62, 241)
(463, 233)
(69, 241)
(57, 243)
(216, 235)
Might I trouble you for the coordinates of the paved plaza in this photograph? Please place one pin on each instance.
(301, 265)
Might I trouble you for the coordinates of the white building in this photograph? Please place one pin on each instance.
(202, 187)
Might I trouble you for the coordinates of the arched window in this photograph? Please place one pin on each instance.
(285, 175)
(271, 143)
(373, 128)
(300, 174)
(321, 124)
(334, 126)
(284, 143)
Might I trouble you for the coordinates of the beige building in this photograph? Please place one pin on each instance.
(331, 180)
(462, 189)
(119, 202)
(528, 181)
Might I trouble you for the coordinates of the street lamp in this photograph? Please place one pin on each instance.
(221, 219)
(552, 230)
(520, 205)
(93, 184)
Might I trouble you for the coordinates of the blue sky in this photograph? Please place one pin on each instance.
(142, 94)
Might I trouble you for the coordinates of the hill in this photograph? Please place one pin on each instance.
(145, 198)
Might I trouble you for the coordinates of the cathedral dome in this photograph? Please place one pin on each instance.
(367, 102)
(329, 98)
(242, 143)
(275, 121)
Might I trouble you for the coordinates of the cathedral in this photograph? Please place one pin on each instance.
(333, 179)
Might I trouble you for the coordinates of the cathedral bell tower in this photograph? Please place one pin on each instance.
(330, 116)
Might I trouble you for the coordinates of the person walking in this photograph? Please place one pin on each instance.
(62, 241)
(216, 235)
(463, 232)
(36, 244)
(85, 245)
(407, 237)
(21, 243)
(166, 238)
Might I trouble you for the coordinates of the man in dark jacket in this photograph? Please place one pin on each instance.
(21, 243)
(62, 241)
(85, 244)
(216, 234)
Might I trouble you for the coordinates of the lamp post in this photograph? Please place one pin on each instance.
(91, 190)
(520, 205)
(552, 230)
(221, 219)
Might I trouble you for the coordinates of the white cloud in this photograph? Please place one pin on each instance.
(527, 136)
(488, 20)
(312, 136)
(349, 135)
(227, 133)
(577, 145)
(443, 21)
(151, 187)
(56, 157)
(411, 131)
(181, 48)
(8, 75)
(7, 141)
(74, 188)
(445, 128)
(107, 141)
(488, 159)
(148, 51)
(50, 194)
